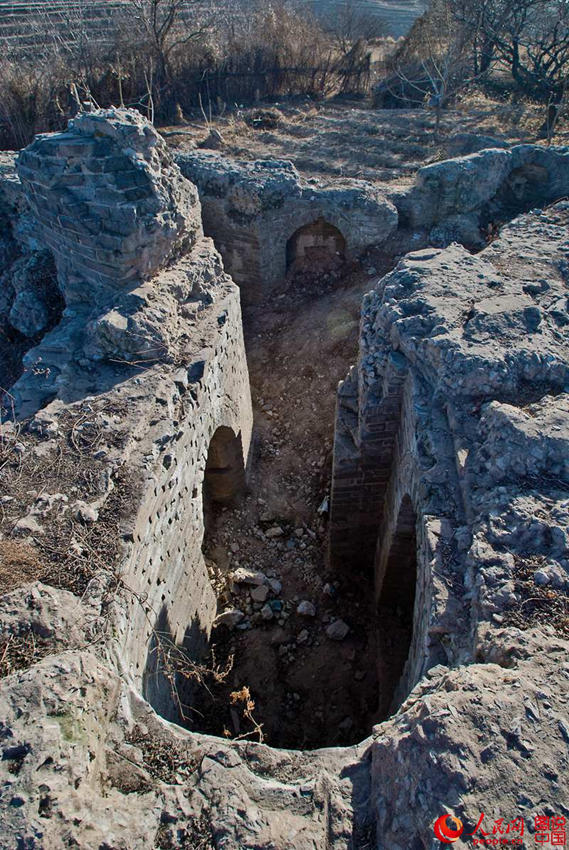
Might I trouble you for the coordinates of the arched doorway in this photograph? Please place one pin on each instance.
(319, 244)
(224, 478)
(396, 586)
(224, 475)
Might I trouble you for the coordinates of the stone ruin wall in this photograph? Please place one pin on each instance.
(429, 419)
(252, 210)
(117, 216)
(442, 337)
(165, 565)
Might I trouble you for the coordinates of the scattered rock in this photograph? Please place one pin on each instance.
(84, 512)
(267, 612)
(242, 575)
(28, 525)
(275, 586)
(337, 630)
(230, 618)
(275, 531)
(260, 593)
(306, 609)
(541, 578)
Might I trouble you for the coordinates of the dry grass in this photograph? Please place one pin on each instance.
(20, 651)
(538, 605)
(348, 139)
(20, 563)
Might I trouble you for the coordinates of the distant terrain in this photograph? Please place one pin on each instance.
(21, 21)
(397, 14)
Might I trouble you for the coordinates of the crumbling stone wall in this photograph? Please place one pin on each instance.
(147, 304)
(109, 202)
(165, 564)
(113, 209)
(444, 338)
(458, 200)
(253, 209)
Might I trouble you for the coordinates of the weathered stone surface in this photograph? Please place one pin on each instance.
(114, 209)
(457, 413)
(488, 737)
(109, 202)
(456, 199)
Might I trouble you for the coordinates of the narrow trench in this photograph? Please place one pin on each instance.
(285, 679)
(309, 689)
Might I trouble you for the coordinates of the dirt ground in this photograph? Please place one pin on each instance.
(308, 689)
(349, 139)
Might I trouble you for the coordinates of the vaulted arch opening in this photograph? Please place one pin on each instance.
(318, 244)
(224, 471)
(396, 581)
(224, 476)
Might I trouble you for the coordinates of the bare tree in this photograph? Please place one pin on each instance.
(529, 38)
(348, 24)
(169, 25)
(431, 67)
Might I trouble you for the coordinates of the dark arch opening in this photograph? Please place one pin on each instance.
(319, 244)
(527, 187)
(396, 601)
(224, 471)
(224, 477)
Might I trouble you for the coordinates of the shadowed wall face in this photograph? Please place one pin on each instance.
(396, 601)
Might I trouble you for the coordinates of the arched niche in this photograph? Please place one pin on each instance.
(319, 244)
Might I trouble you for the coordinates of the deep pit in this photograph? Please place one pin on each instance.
(310, 690)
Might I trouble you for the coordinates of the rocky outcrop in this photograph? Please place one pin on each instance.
(465, 199)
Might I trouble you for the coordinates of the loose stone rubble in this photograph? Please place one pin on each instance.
(450, 481)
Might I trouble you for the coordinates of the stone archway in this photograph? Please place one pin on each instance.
(319, 244)
(396, 589)
(224, 476)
